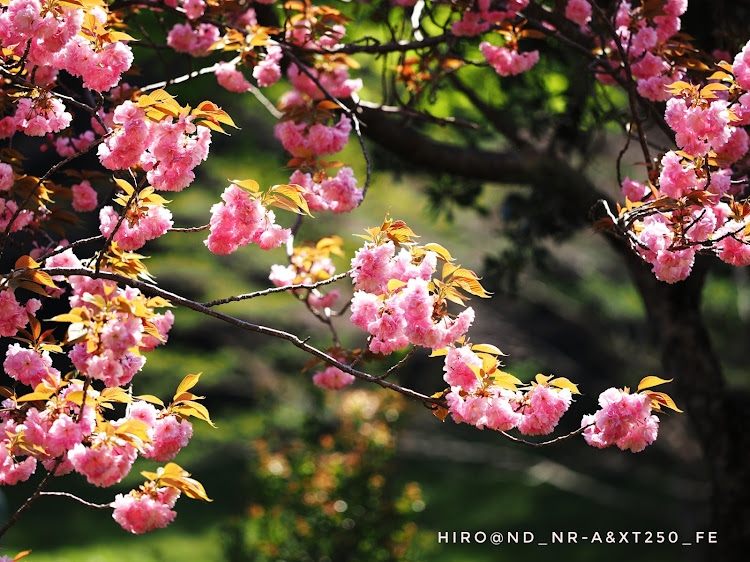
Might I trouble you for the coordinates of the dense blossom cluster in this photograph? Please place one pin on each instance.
(61, 424)
(318, 139)
(142, 511)
(624, 420)
(338, 194)
(240, 220)
(168, 150)
(195, 41)
(475, 399)
(709, 131)
(508, 62)
(407, 313)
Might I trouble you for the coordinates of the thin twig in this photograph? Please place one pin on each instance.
(302, 344)
(79, 500)
(61, 249)
(32, 498)
(544, 443)
(264, 292)
(398, 365)
(190, 229)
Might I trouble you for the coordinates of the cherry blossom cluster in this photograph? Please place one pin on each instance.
(508, 62)
(61, 424)
(61, 435)
(60, 38)
(404, 312)
(147, 223)
(333, 378)
(310, 131)
(168, 149)
(319, 139)
(116, 334)
(41, 434)
(482, 16)
(578, 11)
(482, 395)
(476, 398)
(709, 124)
(146, 510)
(643, 36)
(195, 40)
(624, 420)
(13, 315)
(338, 194)
(240, 220)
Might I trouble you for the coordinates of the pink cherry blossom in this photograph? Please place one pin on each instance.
(543, 407)
(139, 512)
(508, 62)
(623, 420)
(240, 220)
(733, 251)
(633, 190)
(231, 79)
(6, 176)
(268, 71)
(457, 368)
(28, 366)
(470, 25)
(673, 266)
(196, 42)
(578, 11)
(12, 471)
(741, 67)
(84, 197)
(501, 413)
(103, 463)
(12, 315)
(133, 234)
(168, 435)
(333, 378)
(371, 267)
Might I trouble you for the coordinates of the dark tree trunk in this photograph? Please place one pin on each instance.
(719, 415)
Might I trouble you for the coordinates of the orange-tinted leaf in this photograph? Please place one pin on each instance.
(135, 428)
(40, 395)
(662, 399)
(250, 185)
(542, 379)
(650, 381)
(187, 383)
(150, 398)
(195, 409)
(506, 380)
(442, 253)
(562, 382)
(395, 284)
(486, 348)
(26, 262)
